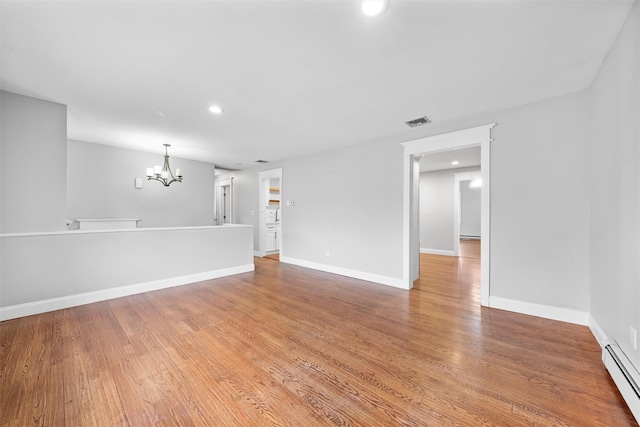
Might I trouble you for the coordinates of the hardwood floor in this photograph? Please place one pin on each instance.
(469, 248)
(275, 257)
(287, 346)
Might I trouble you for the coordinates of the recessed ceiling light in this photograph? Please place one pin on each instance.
(455, 162)
(476, 183)
(374, 7)
(215, 109)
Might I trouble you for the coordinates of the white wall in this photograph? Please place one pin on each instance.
(539, 243)
(112, 194)
(46, 268)
(347, 201)
(350, 202)
(33, 146)
(437, 210)
(539, 237)
(615, 190)
(48, 271)
(470, 209)
(245, 200)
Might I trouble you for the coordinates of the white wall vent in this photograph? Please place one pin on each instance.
(418, 122)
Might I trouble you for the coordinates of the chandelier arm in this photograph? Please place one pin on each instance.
(166, 176)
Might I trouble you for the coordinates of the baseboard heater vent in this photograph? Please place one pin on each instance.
(626, 379)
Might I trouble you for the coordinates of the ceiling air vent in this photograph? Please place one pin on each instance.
(418, 122)
(262, 161)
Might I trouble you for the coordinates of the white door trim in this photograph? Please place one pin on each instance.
(478, 136)
(218, 207)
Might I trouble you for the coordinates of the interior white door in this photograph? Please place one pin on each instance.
(224, 202)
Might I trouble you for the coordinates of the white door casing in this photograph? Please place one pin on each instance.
(224, 202)
(477, 136)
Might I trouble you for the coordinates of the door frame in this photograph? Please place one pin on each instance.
(263, 184)
(218, 205)
(473, 137)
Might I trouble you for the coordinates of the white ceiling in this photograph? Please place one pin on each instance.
(294, 77)
(465, 157)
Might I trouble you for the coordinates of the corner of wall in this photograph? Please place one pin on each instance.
(598, 333)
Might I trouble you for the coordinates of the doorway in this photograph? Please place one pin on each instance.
(224, 202)
(271, 213)
(467, 183)
(479, 136)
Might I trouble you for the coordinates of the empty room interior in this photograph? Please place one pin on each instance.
(313, 213)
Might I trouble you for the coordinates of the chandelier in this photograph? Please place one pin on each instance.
(164, 175)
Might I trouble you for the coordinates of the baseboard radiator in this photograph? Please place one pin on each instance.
(469, 237)
(624, 375)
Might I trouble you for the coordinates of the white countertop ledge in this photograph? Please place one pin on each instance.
(124, 230)
(106, 219)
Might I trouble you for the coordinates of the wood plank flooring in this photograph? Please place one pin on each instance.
(275, 257)
(469, 248)
(287, 346)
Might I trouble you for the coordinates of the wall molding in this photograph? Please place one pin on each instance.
(540, 310)
(120, 230)
(356, 274)
(437, 252)
(43, 306)
(598, 333)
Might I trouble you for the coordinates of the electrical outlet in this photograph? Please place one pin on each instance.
(327, 253)
(634, 337)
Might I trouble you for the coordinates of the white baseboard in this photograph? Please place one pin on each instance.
(362, 275)
(598, 333)
(546, 311)
(257, 254)
(437, 252)
(43, 306)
